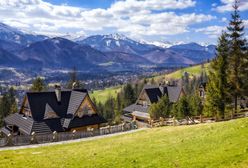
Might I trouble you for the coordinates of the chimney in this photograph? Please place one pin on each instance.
(58, 92)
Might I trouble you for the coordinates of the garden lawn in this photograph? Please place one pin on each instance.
(223, 144)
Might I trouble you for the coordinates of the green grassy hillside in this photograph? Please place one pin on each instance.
(194, 70)
(223, 144)
(102, 95)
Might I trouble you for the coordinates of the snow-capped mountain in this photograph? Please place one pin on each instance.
(92, 52)
(165, 44)
(14, 35)
(156, 52)
(116, 43)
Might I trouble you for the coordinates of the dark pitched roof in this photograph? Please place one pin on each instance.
(5, 130)
(173, 92)
(25, 124)
(75, 101)
(154, 94)
(38, 100)
(42, 103)
(135, 107)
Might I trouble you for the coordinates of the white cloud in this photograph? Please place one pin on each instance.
(224, 19)
(137, 5)
(132, 17)
(228, 5)
(212, 31)
(245, 23)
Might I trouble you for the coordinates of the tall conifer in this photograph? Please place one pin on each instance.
(217, 86)
(237, 60)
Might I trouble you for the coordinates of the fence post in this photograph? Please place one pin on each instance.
(174, 121)
(9, 140)
(33, 138)
(109, 129)
(91, 130)
(73, 134)
(133, 125)
(123, 126)
(161, 121)
(151, 123)
(201, 119)
(101, 131)
(55, 136)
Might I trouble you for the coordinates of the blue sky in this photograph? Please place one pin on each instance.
(149, 20)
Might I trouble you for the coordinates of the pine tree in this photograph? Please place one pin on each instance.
(38, 85)
(73, 80)
(217, 88)
(8, 104)
(129, 95)
(196, 105)
(109, 109)
(237, 60)
(183, 108)
(161, 109)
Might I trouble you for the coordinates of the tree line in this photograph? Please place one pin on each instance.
(227, 80)
(228, 76)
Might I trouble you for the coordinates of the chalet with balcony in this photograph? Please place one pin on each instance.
(57, 110)
(150, 95)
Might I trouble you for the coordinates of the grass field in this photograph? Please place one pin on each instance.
(102, 95)
(194, 70)
(223, 144)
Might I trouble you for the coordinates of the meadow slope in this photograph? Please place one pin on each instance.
(102, 95)
(223, 144)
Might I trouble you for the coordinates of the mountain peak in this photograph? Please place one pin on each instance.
(8, 29)
(116, 36)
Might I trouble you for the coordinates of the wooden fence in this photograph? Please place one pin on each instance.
(63, 136)
(194, 120)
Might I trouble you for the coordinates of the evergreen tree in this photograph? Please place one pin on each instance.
(8, 104)
(73, 80)
(238, 59)
(183, 108)
(154, 111)
(12, 100)
(186, 82)
(196, 105)
(161, 109)
(38, 85)
(109, 109)
(153, 81)
(217, 88)
(128, 95)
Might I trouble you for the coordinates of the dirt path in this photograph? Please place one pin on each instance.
(70, 141)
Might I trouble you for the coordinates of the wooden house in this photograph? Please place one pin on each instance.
(58, 110)
(150, 95)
